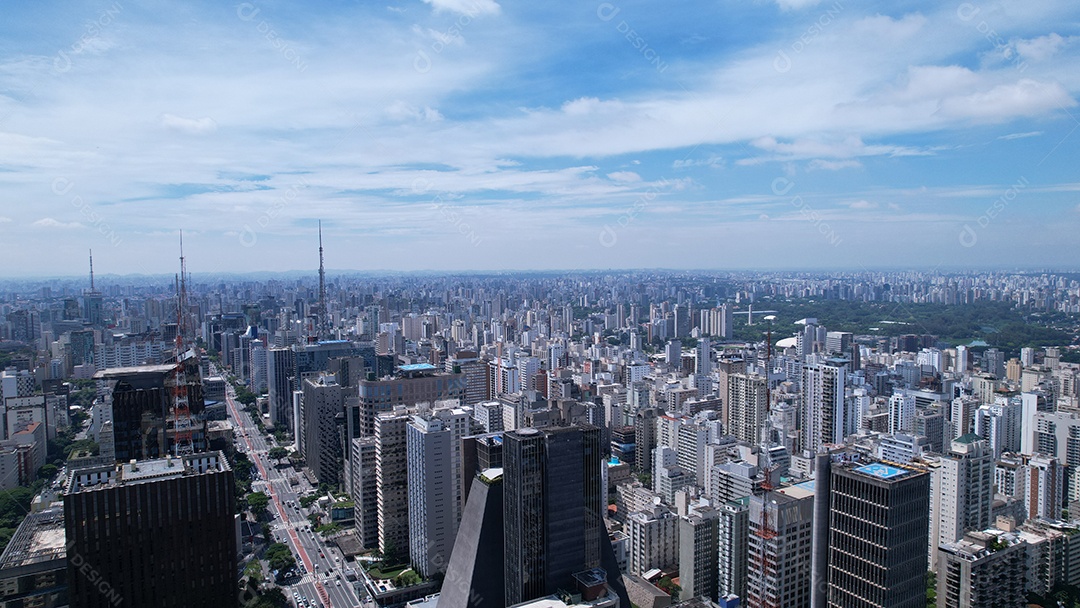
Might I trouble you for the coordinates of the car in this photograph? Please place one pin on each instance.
(338, 583)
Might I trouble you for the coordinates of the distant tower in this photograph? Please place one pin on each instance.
(92, 305)
(322, 289)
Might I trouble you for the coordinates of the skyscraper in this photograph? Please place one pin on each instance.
(645, 436)
(552, 509)
(983, 571)
(778, 550)
(391, 474)
(161, 532)
(901, 413)
(698, 554)
(324, 406)
(746, 400)
(279, 369)
(734, 522)
(433, 444)
(877, 523)
(827, 422)
(962, 491)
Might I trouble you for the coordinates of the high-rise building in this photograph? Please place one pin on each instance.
(727, 366)
(1040, 483)
(698, 551)
(138, 399)
(654, 539)
(177, 548)
(391, 478)
(703, 358)
(901, 413)
(877, 523)
(33, 568)
(930, 423)
(746, 402)
(553, 509)
(733, 524)
(778, 550)
(416, 383)
(827, 422)
(435, 483)
(476, 375)
(962, 491)
(646, 438)
(983, 570)
(363, 488)
(962, 415)
(324, 407)
(999, 425)
(280, 363)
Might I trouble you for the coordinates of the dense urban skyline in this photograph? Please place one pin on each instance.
(452, 134)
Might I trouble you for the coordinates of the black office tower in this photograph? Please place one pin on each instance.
(552, 509)
(152, 533)
(878, 525)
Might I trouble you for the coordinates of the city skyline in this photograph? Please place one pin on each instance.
(428, 135)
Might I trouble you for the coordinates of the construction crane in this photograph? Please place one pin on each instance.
(180, 412)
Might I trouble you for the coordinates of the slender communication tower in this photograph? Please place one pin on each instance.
(322, 288)
(91, 271)
(180, 414)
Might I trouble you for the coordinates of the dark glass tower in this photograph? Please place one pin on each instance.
(879, 521)
(552, 509)
(152, 533)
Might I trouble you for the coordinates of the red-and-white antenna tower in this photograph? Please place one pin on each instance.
(764, 560)
(180, 413)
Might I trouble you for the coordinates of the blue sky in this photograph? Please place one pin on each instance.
(479, 134)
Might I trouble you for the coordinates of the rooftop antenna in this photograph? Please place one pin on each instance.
(180, 414)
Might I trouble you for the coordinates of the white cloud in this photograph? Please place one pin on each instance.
(788, 5)
(1011, 136)
(624, 176)
(471, 8)
(713, 161)
(863, 205)
(191, 126)
(4, 220)
(1025, 97)
(402, 111)
(832, 165)
(1041, 48)
(48, 222)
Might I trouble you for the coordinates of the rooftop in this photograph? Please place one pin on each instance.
(40, 538)
(113, 372)
(882, 471)
(144, 471)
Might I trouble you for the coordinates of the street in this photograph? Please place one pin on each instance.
(290, 524)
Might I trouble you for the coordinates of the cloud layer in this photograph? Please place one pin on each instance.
(411, 127)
